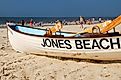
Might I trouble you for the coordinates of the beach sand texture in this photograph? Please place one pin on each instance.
(21, 66)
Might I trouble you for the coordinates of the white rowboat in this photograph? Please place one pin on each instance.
(87, 46)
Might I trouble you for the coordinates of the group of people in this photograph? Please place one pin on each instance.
(80, 22)
(90, 21)
(30, 23)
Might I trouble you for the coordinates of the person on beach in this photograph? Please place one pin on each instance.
(58, 26)
(31, 23)
(81, 26)
(22, 22)
(82, 21)
(8, 23)
(100, 19)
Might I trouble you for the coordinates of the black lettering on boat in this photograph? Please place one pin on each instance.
(86, 44)
(102, 45)
(95, 44)
(67, 43)
(48, 42)
(61, 43)
(78, 44)
(43, 44)
(55, 43)
(116, 42)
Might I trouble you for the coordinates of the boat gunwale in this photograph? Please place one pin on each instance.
(55, 36)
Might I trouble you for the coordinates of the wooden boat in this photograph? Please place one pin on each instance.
(86, 45)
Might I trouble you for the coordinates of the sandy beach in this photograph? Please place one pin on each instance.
(22, 66)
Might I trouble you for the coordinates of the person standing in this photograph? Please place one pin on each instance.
(31, 23)
(22, 22)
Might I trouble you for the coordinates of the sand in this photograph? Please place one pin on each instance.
(21, 66)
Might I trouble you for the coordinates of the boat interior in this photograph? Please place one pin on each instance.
(41, 32)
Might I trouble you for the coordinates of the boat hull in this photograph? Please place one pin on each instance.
(104, 48)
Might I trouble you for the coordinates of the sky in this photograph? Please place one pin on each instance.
(60, 8)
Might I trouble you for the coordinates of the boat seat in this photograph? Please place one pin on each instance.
(113, 34)
(57, 36)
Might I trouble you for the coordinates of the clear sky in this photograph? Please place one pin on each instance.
(60, 8)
